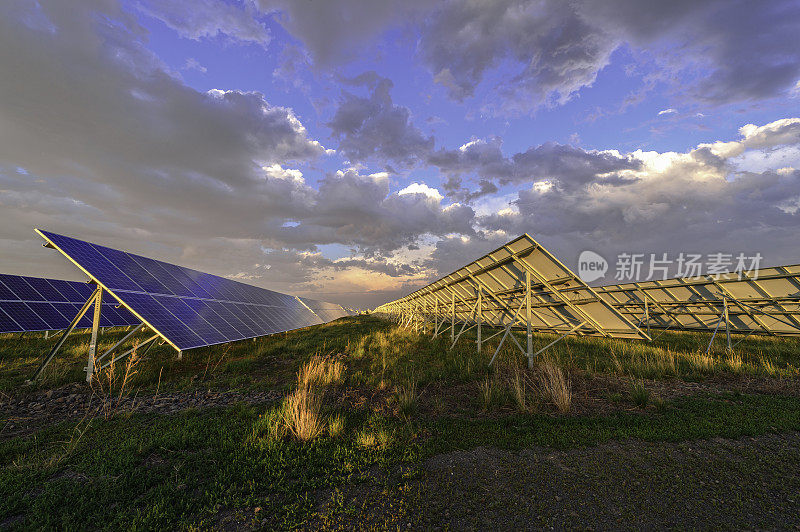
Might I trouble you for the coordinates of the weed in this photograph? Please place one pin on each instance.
(366, 438)
(107, 383)
(734, 362)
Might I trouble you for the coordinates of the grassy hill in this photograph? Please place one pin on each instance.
(361, 424)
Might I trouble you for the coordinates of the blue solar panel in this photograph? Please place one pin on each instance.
(7, 324)
(187, 307)
(37, 304)
(6, 294)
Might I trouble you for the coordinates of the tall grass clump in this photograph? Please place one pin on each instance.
(320, 371)
(639, 393)
(491, 391)
(301, 414)
(556, 385)
(407, 398)
(519, 390)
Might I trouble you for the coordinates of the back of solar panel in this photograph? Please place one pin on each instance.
(38, 304)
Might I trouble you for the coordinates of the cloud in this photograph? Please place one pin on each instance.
(359, 210)
(669, 111)
(531, 54)
(710, 198)
(100, 140)
(554, 50)
(193, 64)
(422, 188)
(374, 126)
(333, 31)
(202, 19)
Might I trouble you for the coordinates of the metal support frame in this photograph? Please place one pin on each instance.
(453, 316)
(528, 317)
(494, 289)
(479, 318)
(93, 362)
(139, 327)
(554, 342)
(64, 335)
(149, 343)
(98, 307)
(722, 317)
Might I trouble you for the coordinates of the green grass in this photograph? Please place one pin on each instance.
(148, 471)
(402, 398)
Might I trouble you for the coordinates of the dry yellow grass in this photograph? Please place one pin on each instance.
(320, 371)
(556, 385)
(301, 414)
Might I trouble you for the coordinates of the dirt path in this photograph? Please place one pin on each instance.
(24, 414)
(718, 483)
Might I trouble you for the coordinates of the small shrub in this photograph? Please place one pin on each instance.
(556, 385)
(639, 394)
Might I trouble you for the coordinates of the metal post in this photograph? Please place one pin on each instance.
(480, 317)
(98, 305)
(436, 318)
(528, 317)
(727, 322)
(453, 321)
(647, 316)
(46, 335)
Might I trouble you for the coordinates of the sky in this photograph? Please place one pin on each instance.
(356, 150)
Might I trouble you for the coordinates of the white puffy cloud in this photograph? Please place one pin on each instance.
(708, 199)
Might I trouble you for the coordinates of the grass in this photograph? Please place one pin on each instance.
(365, 404)
(640, 395)
(556, 385)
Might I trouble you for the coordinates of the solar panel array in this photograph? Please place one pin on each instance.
(189, 308)
(37, 304)
(764, 302)
(492, 290)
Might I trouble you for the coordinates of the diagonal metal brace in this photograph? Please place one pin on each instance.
(64, 335)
